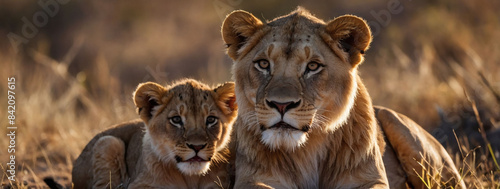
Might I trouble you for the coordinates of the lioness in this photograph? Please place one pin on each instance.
(305, 118)
(181, 141)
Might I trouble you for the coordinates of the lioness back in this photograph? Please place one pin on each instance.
(181, 141)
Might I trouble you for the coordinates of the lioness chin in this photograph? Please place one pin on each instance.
(181, 141)
(305, 118)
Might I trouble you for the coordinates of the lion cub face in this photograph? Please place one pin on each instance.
(295, 73)
(188, 123)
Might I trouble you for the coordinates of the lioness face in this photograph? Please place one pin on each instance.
(188, 124)
(294, 74)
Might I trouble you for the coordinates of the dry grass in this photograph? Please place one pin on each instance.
(76, 76)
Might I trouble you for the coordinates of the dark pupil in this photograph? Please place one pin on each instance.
(313, 66)
(177, 119)
(210, 120)
(263, 64)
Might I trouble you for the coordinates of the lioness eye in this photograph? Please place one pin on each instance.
(176, 121)
(263, 64)
(312, 66)
(211, 120)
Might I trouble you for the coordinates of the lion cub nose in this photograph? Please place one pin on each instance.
(283, 107)
(196, 148)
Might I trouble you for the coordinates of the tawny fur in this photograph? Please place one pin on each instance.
(109, 160)
(154, 152)
(344, 146)
(420, 155)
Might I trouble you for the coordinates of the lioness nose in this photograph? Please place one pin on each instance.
(196, 148)
(283, 107)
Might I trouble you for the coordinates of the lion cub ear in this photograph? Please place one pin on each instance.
(352, 34)
(226, 98)
(237, 28)
(147, 96)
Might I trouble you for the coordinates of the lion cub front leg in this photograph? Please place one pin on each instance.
(108, 162)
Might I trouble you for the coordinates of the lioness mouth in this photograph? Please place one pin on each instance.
(196, 159)
(282, 125)
(193, 159)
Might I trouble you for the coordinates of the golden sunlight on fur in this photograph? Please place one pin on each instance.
(181, 141)
(305, 118)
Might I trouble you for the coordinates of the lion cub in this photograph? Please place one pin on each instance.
(181, 141)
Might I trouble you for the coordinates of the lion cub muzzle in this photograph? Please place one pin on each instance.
(194, 157)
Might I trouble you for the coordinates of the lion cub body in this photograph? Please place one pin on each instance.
(181, 141)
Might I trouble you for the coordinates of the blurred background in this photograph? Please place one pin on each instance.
(76, 64)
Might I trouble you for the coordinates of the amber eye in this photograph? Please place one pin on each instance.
(263, 64)
(313, 66)
(176, 121)
(211, 120)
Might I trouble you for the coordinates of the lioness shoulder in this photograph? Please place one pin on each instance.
(180, 142)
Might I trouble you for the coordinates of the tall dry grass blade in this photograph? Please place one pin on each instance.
(421, 177)
(482, 131)
(73, 51)
(462, 170)
(62, 70)
(45, 156)
(493, 156)
(219, 183)
(468, 167)
(35, 177)
(488, 85)
(4, 175)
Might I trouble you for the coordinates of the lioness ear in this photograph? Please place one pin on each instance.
(352, 34)
(226, 98)
(237, 28)
(147, 96)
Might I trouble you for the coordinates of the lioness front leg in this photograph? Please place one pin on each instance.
(248, 177)
(108, 162)
(254, 184)
(376, 186)
(246, 181)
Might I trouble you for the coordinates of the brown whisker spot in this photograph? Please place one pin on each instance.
(263, 128)
(306, 128)
(178, 159)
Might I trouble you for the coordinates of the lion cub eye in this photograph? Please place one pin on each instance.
(262, 65)
(176, 121)
(211, 121)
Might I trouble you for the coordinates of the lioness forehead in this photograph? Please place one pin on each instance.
(294, 29)
(299, 16)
